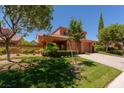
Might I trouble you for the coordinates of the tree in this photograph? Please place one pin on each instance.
(112, 34)
(101, 25)
(75, 29)
(120, 34)
(24, 43)
(105, 37)
(75, 32)
(33, 42)
(24, 19)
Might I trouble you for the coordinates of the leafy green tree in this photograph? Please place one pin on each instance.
(33, 42)
(104, 36)
(101, 25)
(120, 34)
(75, 29)
(112, 34)
(24, 19)
(75, 32)
(113, 31)
(24, 42)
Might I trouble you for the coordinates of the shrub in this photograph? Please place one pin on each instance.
(98, 48)
(31, 59)
(2, 51)
(115, 51)
(51, 48)
(60, 53)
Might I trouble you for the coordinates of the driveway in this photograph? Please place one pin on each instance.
(113, 61)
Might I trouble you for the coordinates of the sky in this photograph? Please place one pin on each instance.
(89, 16)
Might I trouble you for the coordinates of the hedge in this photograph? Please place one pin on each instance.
(98, 48)
(60, 53)
(115, 51)
(111, 50)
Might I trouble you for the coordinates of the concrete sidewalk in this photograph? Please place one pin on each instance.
(118, 82)
(113, 61)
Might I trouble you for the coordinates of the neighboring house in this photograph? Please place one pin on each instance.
(15, 39)
(61, 38)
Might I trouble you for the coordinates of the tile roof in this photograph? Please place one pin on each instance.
(66, 29)
(5, 31)
(61, 27)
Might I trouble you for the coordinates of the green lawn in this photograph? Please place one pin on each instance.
(97, 75)
(58, 72)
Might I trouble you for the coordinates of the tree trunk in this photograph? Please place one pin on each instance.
(7, 50)
(78, 46)
(76, 49)
(107, 46)
(123, 47)
(71, 51)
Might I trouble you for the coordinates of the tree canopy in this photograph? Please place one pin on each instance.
(101, 24)
(27, 43)
(113, 33)
(75, 29)
(104, 35)
(24, 19)
(27, 18)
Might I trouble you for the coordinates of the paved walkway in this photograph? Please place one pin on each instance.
(113, 61)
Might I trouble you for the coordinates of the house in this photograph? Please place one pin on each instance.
(15, 39)
(61, 38)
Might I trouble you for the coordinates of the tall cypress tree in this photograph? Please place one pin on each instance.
(101, 24)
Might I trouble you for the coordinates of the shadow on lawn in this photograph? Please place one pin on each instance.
(87, 63)
(48, 73)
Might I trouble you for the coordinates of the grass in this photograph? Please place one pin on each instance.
(18, 57)
(97, 75)
(58, 72)
(101, 52)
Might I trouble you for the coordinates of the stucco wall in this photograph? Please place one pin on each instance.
(82, 46)
(86, 46)
(73, 45)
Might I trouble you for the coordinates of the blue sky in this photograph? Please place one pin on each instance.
(89, 16)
